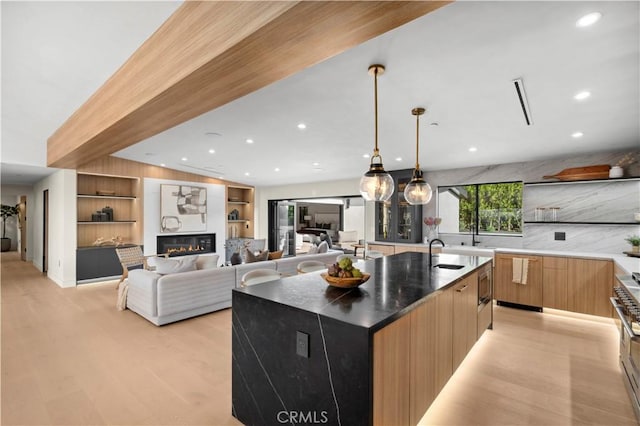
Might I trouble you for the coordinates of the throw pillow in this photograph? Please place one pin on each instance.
(345, 236)
(313, 250)
(173, 266)
(273, 255)
(323, 247)
(207, 261)
(249, 257)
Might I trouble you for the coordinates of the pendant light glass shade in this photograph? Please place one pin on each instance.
(376, 184)
(418, 191)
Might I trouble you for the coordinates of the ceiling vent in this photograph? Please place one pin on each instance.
(207, 169)
(522, 98)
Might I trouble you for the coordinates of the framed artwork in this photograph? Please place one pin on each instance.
(183, 208)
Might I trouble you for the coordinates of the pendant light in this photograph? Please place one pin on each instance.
(417, 191)
(376, 184)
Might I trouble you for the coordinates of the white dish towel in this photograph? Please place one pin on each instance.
(520, 270)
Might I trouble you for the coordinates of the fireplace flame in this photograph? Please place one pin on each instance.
(189, 249)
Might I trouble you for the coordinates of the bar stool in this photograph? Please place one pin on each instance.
(259, 276)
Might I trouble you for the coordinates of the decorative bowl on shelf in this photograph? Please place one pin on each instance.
(345, 282)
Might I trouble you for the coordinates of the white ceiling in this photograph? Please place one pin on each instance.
(458, 62)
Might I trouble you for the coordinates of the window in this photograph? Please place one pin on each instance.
(488, 208)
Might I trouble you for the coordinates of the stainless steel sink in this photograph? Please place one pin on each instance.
(448, 266)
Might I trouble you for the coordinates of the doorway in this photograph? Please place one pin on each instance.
(292, 220)
(45, 231)
(22, 225)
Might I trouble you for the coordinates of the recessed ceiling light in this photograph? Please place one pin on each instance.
(588, 19)
(398, 158)
(435, 123)
(315, 164)
(580, 96)
(249, 140)
(163, 165)
(212, 151)
(577, 135)
(302, 126)
(473, 149)
(366, 155)
(246, 173)
(317, 170)
(184, 158)
(214, 134)
(277, 169)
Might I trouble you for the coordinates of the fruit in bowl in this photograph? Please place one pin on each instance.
(344, 274)
(344, 269)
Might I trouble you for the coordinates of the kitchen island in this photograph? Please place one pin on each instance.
(305, 352)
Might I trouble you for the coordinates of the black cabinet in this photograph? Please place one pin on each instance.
(396, 219)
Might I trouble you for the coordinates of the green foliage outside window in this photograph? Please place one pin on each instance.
(499, 208)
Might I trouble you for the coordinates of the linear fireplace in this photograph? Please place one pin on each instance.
(182, 245)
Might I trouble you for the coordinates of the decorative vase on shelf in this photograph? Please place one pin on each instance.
(432, 233)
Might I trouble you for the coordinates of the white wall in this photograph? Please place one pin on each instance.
(216, 214)
(62, 226)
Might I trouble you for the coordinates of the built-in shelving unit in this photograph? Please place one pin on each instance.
(240, 198)
(96, 191)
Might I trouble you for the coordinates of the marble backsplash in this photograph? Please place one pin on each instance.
(581, 238)
(593, 202)
(615, 201)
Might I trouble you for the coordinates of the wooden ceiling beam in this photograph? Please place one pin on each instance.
(210, 53)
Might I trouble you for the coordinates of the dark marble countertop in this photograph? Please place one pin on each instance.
(397, 284)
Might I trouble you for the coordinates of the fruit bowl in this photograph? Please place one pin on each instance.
(345, 282)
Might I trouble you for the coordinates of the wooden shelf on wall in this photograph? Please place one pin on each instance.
(124, 191)
(241, 199)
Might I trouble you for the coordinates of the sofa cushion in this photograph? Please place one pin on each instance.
(209, 261)
(172, 266)
(192, 290)
(346, 236)
(249, 257)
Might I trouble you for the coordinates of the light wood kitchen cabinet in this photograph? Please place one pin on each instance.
(465, 317)
(554, 282)
(590, 284)
(506, 290)
(391, 373)
(413, 360)
(431, 352)
(386, 249)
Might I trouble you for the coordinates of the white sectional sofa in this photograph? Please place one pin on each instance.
(163, 299)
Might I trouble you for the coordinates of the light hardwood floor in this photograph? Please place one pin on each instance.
(70, 358)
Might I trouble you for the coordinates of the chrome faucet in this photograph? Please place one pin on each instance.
(430, 244)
